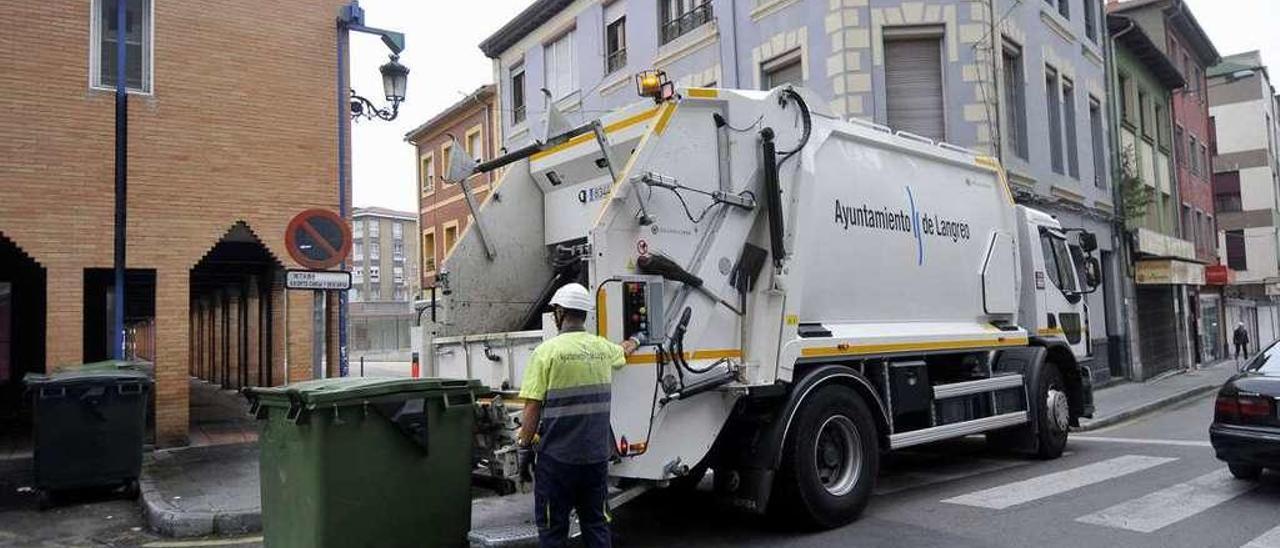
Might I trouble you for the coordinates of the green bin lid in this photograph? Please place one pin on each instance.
(87, 375)
(341, 390)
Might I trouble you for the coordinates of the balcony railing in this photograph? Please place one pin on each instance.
(686, 22)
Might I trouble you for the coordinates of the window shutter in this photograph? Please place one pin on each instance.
(913, 86)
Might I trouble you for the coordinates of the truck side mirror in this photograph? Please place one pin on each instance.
(1092, 273)
(1088, 242)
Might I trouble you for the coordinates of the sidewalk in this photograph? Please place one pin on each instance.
(1127, 400)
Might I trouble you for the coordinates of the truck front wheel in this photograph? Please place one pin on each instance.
(1055, 413)
(830, 460)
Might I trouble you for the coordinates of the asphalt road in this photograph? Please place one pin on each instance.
(1151, 482)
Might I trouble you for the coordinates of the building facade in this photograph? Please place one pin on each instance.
(1025, 81)
(384, 282)
(1173, 28)
(443, 210)
(1165, 262)
(212, 182)
(1246, 175)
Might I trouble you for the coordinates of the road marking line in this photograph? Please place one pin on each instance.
(199, 543)
(1013, 494)
(1173, 504)
(1269, 539)
(1105, 439)
(911, 480)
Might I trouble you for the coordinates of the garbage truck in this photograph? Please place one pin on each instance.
(811, 292)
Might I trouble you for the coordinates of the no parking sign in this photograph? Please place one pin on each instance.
(318, 239)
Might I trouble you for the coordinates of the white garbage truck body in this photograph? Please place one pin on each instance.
(811, 291)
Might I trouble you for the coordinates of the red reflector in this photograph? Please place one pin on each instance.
(1255, 406)
(1226, 407)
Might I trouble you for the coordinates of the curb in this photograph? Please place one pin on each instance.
(168, 520)
(1146, 408)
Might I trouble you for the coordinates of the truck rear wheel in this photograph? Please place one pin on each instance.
(830, 460)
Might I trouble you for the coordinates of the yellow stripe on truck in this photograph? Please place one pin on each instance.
(1049, 331)
(885, 348)
(611, 128)
(702, 93)
(645, 359)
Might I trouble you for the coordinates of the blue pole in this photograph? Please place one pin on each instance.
(344, 119)
(122, 158)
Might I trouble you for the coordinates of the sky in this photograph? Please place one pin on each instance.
(445, 63)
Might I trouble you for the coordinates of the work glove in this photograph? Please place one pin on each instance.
(524, 460)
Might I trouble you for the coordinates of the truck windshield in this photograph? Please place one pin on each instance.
(1057, 262)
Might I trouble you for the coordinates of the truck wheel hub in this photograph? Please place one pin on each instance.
(1059, 411)
(837, 455)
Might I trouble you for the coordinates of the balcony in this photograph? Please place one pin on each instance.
(681, 24)
(1155, 244)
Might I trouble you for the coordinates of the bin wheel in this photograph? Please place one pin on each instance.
(132, 490)
(45, 500)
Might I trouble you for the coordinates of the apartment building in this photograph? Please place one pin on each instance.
(384, 282)
(443, 211)
(213, 181)
(1246, 176)
(1173, 29)
(1022, 80)
(1165, 264)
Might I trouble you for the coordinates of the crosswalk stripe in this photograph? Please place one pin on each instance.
(1036, 488)
(910, 480)
(1269, 539)
(1171, 505)
(1141, 441)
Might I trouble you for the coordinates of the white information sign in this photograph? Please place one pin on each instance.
(318, 279)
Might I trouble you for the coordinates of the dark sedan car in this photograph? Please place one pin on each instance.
(1246, 421)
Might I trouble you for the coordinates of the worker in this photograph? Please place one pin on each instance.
(1241, 338)
(567, 387)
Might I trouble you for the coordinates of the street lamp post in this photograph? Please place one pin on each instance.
(351, 106)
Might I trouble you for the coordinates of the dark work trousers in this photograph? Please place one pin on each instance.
(560, 487)
(1242, 348)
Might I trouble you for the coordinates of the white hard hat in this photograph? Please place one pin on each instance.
(572, 296)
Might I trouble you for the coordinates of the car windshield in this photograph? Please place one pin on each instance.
(1267, 361)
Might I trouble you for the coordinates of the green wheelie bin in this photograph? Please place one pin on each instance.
(353, 462)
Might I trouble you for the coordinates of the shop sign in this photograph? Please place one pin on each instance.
(1169, 271)
(1219, 274)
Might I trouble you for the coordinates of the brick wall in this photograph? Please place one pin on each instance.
(240, 127)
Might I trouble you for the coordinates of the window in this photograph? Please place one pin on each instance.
(354, 295)
(357, 229)
(137, 43)
(428, 174)
(374, 250)
(1198, 84)
(375, 291)
(1204, 160)
(1187, 228)
(681, 16)
(1236, 259)
(1144, 117)
(1226, 192)
(373, 229)
(1210, 242)
(1015, 101)
(1091, 20)
(399, 294)
(913, 85)
(357, 251)
(445, 150)
(357, 275)
(1199, 230)
(1069, 116)
(429, 251)
(1126, 100)
(1064, 8)
(1191, 155)
(450, 237)
(475, 145)
(615, 37)
(397, 275)
(1054, 107)
(397, 251)
(784, 69)
(1162, 127)
(374, 274)
(397, 231)
(1179, 145)
(517, 95)
(561, 76)
(1098, 142)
